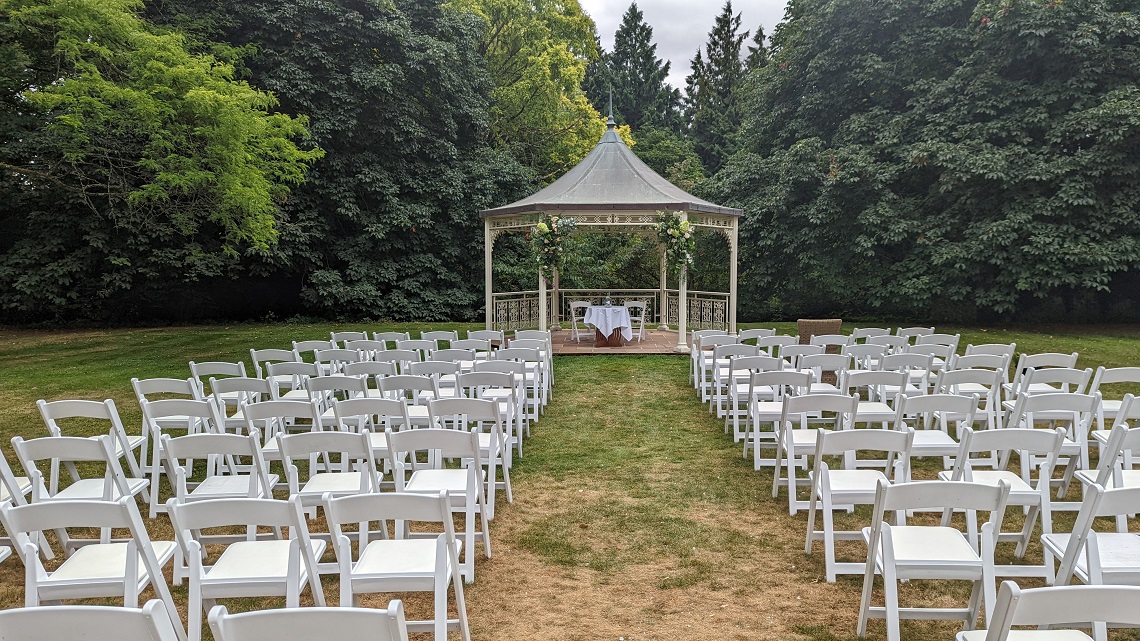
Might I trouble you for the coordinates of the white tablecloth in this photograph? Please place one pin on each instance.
(607, 319)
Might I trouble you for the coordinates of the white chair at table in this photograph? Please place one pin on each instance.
(637, 316)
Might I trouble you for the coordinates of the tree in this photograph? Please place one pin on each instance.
(387, 226)
(945, 163)
(641, 95)
(715, 109)
(757, 52)
(537, 54)
(128, 165)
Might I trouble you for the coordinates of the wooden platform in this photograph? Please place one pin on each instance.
(654, 342)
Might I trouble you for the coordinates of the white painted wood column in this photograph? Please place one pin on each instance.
(488, 253)
(541, 300)
(663, 295)
(555, 306)
(682, 304)
(733, 261)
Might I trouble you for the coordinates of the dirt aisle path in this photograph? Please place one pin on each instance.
(636, 518)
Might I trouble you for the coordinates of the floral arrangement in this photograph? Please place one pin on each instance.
(546, 240)
(677, 237)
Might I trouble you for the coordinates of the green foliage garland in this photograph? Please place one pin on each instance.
(677, 237)
(546, 241)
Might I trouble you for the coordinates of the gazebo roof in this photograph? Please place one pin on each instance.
(611, 178)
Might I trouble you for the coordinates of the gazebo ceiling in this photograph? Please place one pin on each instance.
(611, 178)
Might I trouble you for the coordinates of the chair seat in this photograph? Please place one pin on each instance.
(873, 412)
(933, 443)
(1028, 635)
(1129, 478)
(1119, 555)
(405, 558)
(257, 560)
(232, 485)
(104, 561)
(336, 483)
(432, 481)
(919, 548)
(824, 388)
(966, 389)
(804, 438)
(92, 489)
(1017, 485)
(1110, 407)
(854, 482)
(22, 484)
(768, 410)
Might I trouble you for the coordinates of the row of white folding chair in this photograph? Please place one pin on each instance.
(1087, 606)
(83, 412)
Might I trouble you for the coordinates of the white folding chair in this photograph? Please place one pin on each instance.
(440, 336)
(1098, 558)
(484, 417)
(1114, 467)
(503, 389)
(413, 391)
(124, 445)
(637, 316)
(852, 484)
(793, 444)
(931, 416)
(335, 464)
(863, 333)
(1070, 605)
(902, 552)
(372, 416)
(754, 334)
(1024, 490)
(311, 624)
(1110, 408)
(1035, 361)
(400, 560)
(66, 451)
(204, 416)
(280, 417)
(775, 385)
(342, 337)
(464, 485)
(90, 623)
(263, 357)
(244, 392)
(252, 565)
(739, 386)
(100, 568)
(390, 338)
(217, 370)
(1074, 412)
(983, 383)
(287, 380)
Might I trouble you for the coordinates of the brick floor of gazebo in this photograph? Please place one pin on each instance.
(654, 342)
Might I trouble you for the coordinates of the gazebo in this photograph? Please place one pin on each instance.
(612, 191)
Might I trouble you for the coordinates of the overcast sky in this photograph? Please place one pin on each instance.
(680, 26)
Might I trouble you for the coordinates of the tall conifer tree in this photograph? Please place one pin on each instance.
(714, 109)
(641, 95)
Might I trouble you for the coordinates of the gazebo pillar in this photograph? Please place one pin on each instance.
(488, 253)
(541, 300)
(682, 303)
(662, 297)
(555, 323)
(732, 262)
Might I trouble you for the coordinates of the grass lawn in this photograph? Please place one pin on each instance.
(635, 516)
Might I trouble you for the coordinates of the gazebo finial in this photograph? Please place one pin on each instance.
(610, 124)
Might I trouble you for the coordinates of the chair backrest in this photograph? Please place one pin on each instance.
(421, 346)
(894, 443)
(88, 623)
(207, 412)
(344, 336)
(875, 380)
(793, 353)
(149, 387)
(69, 449)
(445, 411)
(635, 307)
(371, 368)
(473, 382)
(311, 624)
(205, 370)
(401, 357)
(521, 354)
(894, 343)
(863, 353)
(994, 349)
(474, 345)
(758, 363)
(457, 444)
(54, 411)
(355, 451)
(828, 340)
(510, 367)
(782, 382)
(336, 358)
(434, 368)
(312, 345)
(928, 409)
(1098, 502)
(1082, 406)
(440, 335)
(1044, 443)
(906, 362)
(1068, 379)
(735, 349)
(843, 408)
(911, 332)
(408, 386)
(367, 347)
(1121, 440)
(235, 452)
(948, 496)
(264, 356)
(712, 340)
(390, 337)
(1129, 410)
(1079, 605)
(532, 335)
(774, 345)
(537, 344)
(280, 414)
(248, 390)
(319, 386)
(867, 332)
(359, 414)
(755, 334)
(935, 350)
(950, 340)
(578, 308)
(493, 335)
(1041, 361)
(1113, 376)
(949, 381)
(453, 355)
(977, 361)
